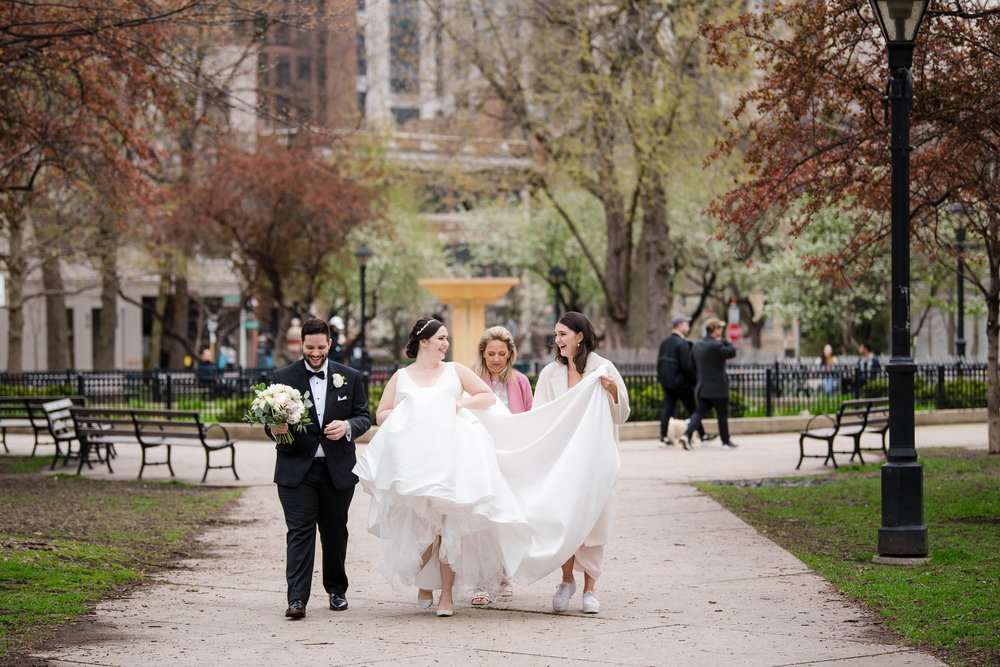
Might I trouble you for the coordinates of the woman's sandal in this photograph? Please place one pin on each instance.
(481, 598)
(425, 603)
(506, 590)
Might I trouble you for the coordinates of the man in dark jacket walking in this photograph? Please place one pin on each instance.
(710, 355)
(675, 373)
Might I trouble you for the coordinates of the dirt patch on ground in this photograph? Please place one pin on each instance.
(152, 525)
(136, 513)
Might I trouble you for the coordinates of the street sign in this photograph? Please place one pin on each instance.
(733, 331)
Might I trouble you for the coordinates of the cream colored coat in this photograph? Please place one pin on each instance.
(552, 383)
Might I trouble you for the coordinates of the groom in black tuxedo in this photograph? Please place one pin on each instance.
(314, 473)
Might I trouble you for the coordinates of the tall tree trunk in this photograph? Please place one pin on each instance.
(992, 352)
(56, 322)
(656, 267)
(104, 350)
(159, 315)
(618, 263)
(179, 315)
(16, 268)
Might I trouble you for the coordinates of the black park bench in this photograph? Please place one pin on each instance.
(851, 421)
(159, 430)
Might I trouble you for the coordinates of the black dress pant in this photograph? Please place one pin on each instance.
(721, 406)
(670, 399)
(314, 503)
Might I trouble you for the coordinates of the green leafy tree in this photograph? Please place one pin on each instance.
(604, 94)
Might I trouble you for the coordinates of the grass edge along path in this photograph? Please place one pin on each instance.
(949, 605)
(66, 542)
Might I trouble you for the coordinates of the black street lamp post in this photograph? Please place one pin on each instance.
(362, 360)
(902, 533)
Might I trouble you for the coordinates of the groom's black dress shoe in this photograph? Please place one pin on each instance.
(297, 609)
(338, 602)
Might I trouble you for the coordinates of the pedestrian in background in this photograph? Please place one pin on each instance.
(827, 363)
(712, 390)
(675, 373)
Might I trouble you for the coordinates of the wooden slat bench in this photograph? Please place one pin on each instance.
(62, 429)
(96, 429)
(25, 412)
(13, 414)
(152, 429)
(849, 422)
(877, 423)
(181, 428)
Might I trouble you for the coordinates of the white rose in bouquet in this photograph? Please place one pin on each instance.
(279, 404)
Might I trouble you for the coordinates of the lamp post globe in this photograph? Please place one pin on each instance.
(903, 532)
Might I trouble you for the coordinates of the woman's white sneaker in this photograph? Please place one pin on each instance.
(564, 591)
(591, 605)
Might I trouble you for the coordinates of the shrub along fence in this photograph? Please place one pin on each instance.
(756, 390)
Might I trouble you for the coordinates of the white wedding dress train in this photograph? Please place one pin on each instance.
(515, 493)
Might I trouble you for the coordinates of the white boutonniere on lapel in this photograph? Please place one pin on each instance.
(338, 380)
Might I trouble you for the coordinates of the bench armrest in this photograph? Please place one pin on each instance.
(815, 417)
(225, 433)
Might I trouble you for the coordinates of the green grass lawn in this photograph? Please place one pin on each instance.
(950, 605)
(67, 541)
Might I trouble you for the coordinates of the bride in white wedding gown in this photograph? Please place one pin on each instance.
(438, 498)
(461, 490)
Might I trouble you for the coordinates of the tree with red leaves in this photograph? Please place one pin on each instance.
(285, 212)
(814, 135)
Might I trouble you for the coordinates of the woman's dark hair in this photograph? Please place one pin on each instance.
(422, 330)
(577, 323)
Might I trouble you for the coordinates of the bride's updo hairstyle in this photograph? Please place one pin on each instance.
(577, 323)
(422, 330)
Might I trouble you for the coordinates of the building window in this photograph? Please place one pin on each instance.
(305, 69)
(404, 115)
(362, 56)
(283, 72)
(404, 46)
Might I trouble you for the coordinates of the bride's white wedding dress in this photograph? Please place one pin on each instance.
(433, 472)
(505, 492)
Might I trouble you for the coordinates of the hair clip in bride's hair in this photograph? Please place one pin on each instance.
(421, 330)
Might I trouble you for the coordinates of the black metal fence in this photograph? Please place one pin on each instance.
(757, 390)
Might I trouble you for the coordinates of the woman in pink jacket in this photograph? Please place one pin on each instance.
(495, 364)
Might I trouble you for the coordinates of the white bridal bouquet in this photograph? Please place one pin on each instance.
(279, 404)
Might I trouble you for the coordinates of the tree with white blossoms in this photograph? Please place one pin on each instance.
(796, 287)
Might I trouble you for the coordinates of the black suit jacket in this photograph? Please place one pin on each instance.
(710, 357)
(349, 402)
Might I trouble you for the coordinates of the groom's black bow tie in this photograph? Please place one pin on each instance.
(320, 374)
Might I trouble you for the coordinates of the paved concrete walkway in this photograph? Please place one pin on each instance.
(685, 583)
